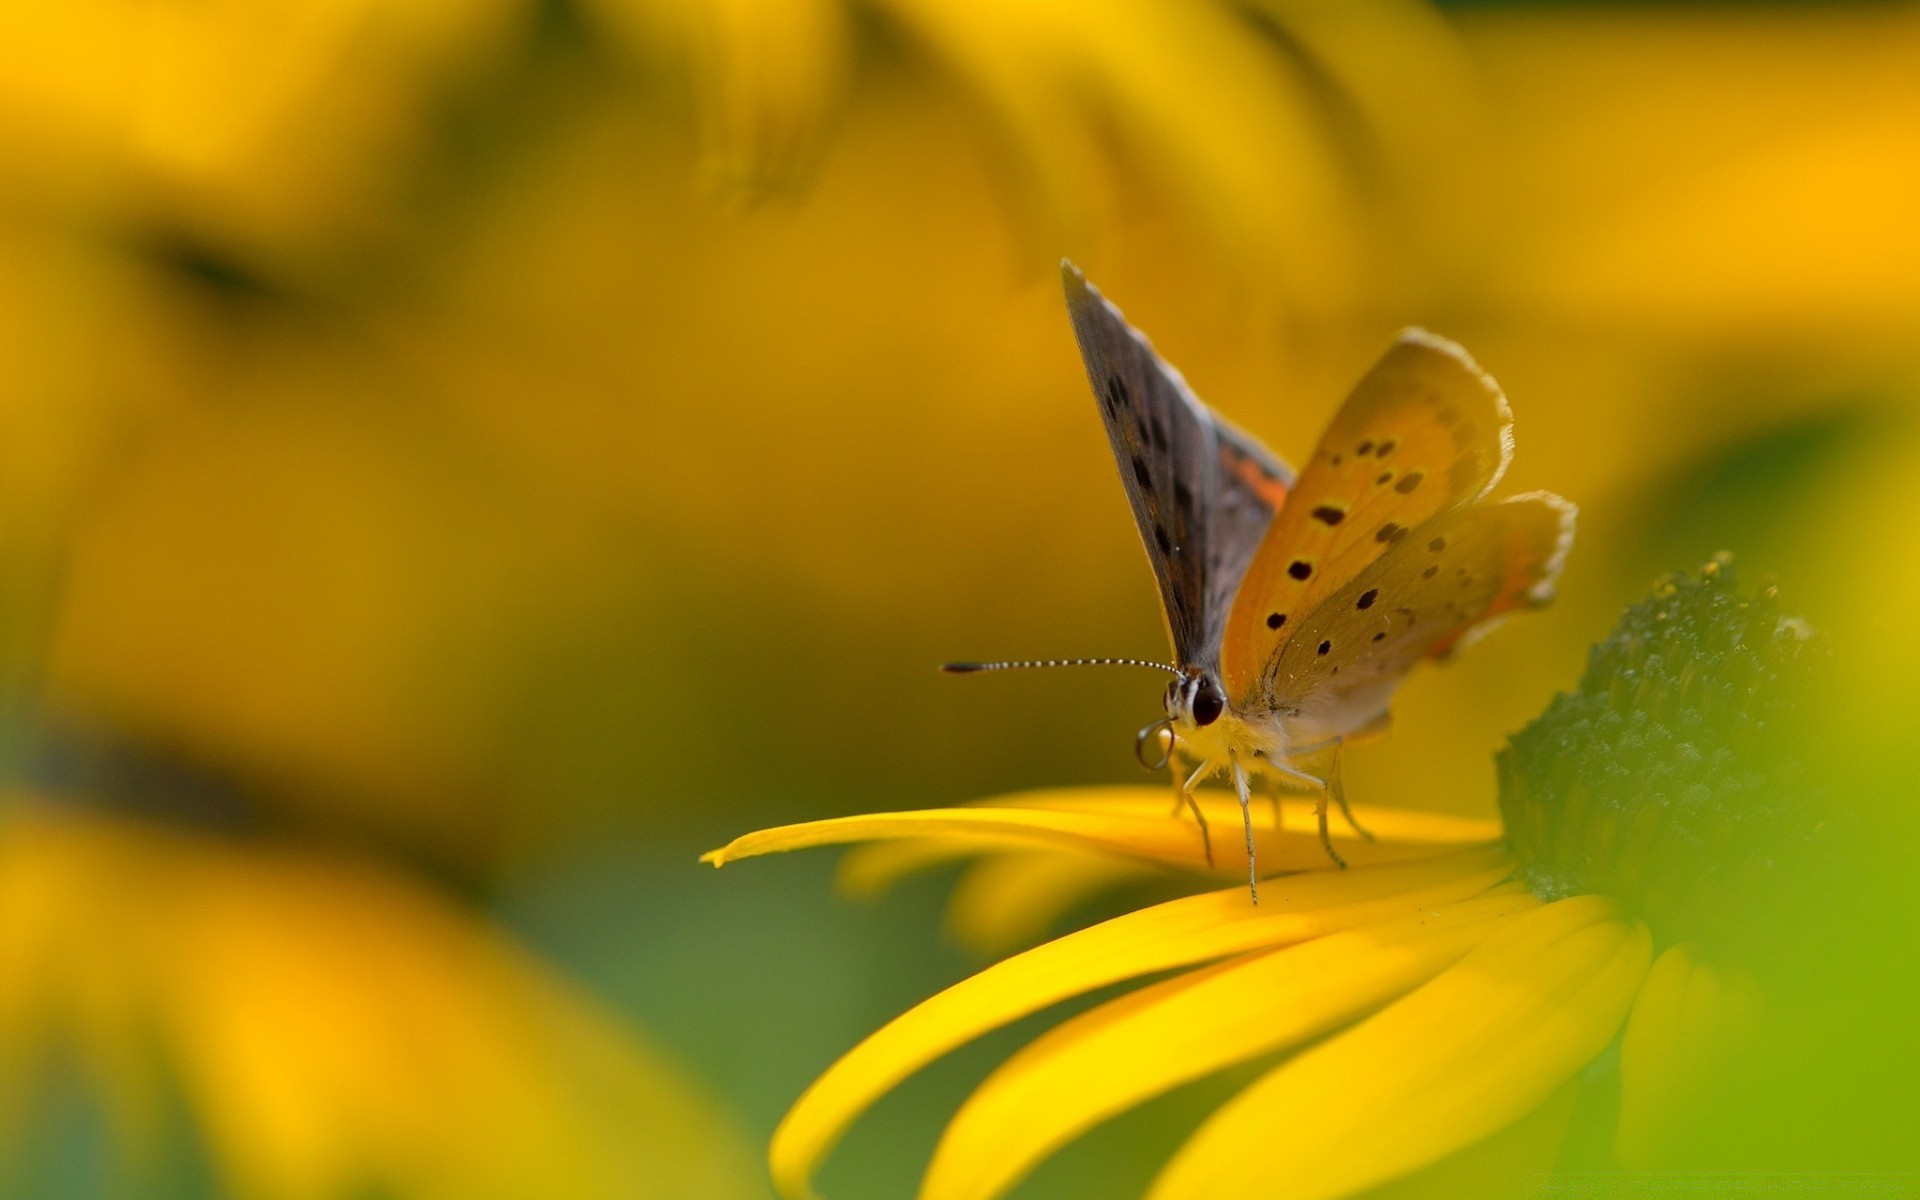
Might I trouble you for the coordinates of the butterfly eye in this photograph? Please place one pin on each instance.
(1207, 704)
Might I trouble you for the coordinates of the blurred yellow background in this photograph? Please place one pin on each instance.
(460, 461)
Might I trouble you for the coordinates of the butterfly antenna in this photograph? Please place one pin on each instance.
(972, 668)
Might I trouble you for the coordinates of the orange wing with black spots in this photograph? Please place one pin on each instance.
(1425, 431)
(1443, 585)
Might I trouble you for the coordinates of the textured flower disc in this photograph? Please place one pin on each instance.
(1670, 777)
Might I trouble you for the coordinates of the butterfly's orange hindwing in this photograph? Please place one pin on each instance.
(1425, 431)
(1439, 587)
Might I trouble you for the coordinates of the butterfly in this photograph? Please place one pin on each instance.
(1296, 603)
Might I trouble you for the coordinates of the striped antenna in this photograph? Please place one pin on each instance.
(971, 668)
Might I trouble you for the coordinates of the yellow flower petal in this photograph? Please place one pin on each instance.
(765, 72)
(1131, 1049)
(1237, 142)
(1504, 1164)
(1010, 900)
(867, 871)
(1654, 1032)
(1688, 1021)
(1134, 822)
(1401, 825)
(1439, 1069)
(1177, 933)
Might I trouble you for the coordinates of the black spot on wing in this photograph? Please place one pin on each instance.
(1408, 482)
(1276, 620)
(1300, 568)
(1141, 474)
(1117, 397)
(1390, 532)
(1153, 432)
(1325, 646)
(1367, 598)
(1329, 514)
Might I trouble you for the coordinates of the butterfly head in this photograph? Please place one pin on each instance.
(1208, 729)
(1195, 700)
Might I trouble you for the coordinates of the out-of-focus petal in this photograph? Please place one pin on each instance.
(1006, 901)
(1180, 932)
(1134, 1048)
(1465, 1055)
(1671, 156)
(1415, 115)
(764, 74)
(1133, 822)
(1688, 1021)
(333, 1027)
(1237, 122)
(240, 523)
(85, 995)
(1232, 134)
(250, 116)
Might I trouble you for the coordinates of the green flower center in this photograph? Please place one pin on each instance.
(1669, 779)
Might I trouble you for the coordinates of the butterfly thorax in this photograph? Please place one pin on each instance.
(1206, 729)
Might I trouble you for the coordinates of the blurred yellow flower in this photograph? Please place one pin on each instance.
(330, 1026)
(1430, 997)
(243, 121)
(479, 427)
(1248, 115)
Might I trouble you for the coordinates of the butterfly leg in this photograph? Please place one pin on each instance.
(1326, 838)
(1331, 789)
(1339, 791)
(1183, 797)
(1246, 821)
(1274, 791)
(1328, 788)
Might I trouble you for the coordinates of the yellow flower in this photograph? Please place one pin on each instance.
(1447, 985)
(1237, 132)
(252, 121)
(331, 1028)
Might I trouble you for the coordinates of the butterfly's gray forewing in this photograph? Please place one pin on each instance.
(1202, 492)
(1253, 485)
